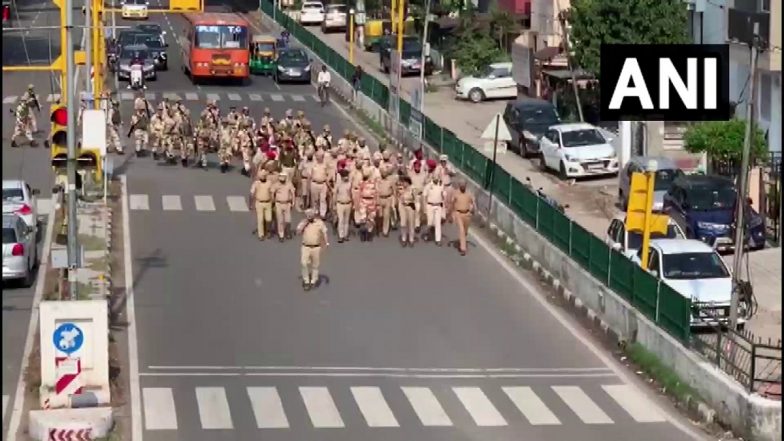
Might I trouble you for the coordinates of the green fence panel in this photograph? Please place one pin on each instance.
(621, 270)
(523, 202)
(562, 231)
(266, 7)
(453, 148)
(545, 214)
(405, 112)
(502, 184)
(674, 312)
(581, 245)
(600, 259)
(475, 163)
(432, 134)
(646, 289)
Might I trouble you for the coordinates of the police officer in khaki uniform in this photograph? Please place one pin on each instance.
(113, 123)
(314, 239)
(283, 195)
(386, 199)
(139, 126)
(407, 209)
(318, 184)
(260, 199)
(343, 199)
(434, 196)
(463, 206)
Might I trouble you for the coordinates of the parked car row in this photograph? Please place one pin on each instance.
(331, 18)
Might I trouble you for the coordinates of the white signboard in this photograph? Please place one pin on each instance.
(503, 131)
(94, 130)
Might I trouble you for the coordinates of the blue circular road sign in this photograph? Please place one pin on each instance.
(68, 338)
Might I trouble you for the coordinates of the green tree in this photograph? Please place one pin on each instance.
(502, 24)
(724, 140)
(594, 22)
(471, 45)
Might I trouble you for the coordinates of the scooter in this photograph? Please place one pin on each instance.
(136, 80)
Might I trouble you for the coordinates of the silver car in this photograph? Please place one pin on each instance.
(132, 52)
(20, 255)
(666, 172)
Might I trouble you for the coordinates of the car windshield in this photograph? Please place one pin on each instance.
(13, 195)
(689, 266)
(150, 41)
(340, 9)
(485, 72)
(9, 235)
(315, 6)
(579, 138)
(712, 198)
(634, 242)
(664, 179)
(539, 115)
(127, 38)
(222, 37)
(292, 57)
(130, 54)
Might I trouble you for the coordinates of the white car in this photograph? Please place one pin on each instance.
(495, 81)
(696, 271)
(20, 199)
(335, 18)
(135, 9)
(577, 150)
(629, 242)
(312, 13)
(20, 254)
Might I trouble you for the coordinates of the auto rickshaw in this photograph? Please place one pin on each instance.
(263, 51)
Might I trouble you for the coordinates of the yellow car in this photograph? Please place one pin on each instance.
(134, 9)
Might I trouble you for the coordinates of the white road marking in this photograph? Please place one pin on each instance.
(130, 311)
(634, 403)
(255, 97)
(53, 97)
(268, 408)
(10, 99)
(213, 408)
(298, 98)
(5, 404)
(159, 410)
(479, 406)
(426, 406)
(531, 406)
(150, 96)
(171, 203)
(277, 98)
(379, 369)
(374, 407)
(191, 96)
(582, 405)
(367, 375)
(237, 203)
(126, 96)
(204, 203)
(171, 96)
(43, 206)
(213, 97)
(235, 97)
(314, 97)
(140, 202)
(321, 409)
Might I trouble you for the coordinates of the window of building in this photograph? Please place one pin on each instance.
(764, 99)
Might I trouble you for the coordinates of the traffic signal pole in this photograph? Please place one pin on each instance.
(70, 100)
(88, 46)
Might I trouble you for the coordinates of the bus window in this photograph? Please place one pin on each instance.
(221, 37)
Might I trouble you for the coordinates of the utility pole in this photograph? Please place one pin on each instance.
(567, 49)
(88, 14)
(70, 99)
(743, 178)
(422, 63)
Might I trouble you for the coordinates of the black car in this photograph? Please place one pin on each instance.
(153, 28)
(157, 49)
(411, 58)
(128, 55)
(528, 119)
(292, 64)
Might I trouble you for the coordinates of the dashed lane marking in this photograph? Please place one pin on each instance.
(204, 203)
(237, 203)
(191, 96)
(159, 410)
(171, 203)
(277, 98)
(582, 405)
(298, 98)
(255, 97)
(235, 97)
(150, 96)
(126, 96)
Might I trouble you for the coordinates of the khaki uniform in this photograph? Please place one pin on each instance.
(31, 101)
(343, 200)
(318, 188)
(140, 135)
(261, 196)
(283, 195)
(305, 168)
(418, 185)
(433, 196)
(112, 129)
(169, 134)
(224, 149)
(386, 201)
(407, 208)
(314, 238)
(156, 128)
(463, 206)
(22, 125)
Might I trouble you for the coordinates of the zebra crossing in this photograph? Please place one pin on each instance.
(200, 203)
(200, 97)
(331, 407)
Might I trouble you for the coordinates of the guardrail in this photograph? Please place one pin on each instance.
(658, 301)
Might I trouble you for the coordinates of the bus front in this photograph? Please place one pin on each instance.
(220, 51)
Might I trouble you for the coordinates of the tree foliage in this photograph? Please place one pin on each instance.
(473, 46)
(724, 140)
(594, 22)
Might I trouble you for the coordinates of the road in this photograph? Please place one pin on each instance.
(30, 164)
(397, 344)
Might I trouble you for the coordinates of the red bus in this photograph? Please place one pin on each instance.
(216, 45)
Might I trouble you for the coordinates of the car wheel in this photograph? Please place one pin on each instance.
(28, 278)
(562, 172)
(476, 95)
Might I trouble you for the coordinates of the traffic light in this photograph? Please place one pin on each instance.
(88, 159)
(59, 130)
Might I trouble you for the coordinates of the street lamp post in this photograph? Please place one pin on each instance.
(424, 58)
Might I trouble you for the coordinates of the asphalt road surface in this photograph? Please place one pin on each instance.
(396, 344)
(30, 164)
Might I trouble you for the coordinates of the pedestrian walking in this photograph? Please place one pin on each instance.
(463, 206)
(314, 239)
(356, 82)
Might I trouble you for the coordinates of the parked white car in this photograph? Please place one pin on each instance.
(629, 242)
(135, 9)
(335, 18)
(495, 81)
(20, 255)
(577, 150)
(697, 272)
(20, 199)
(312, 13)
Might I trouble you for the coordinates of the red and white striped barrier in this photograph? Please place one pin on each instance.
(70, 434)
(68, 371)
